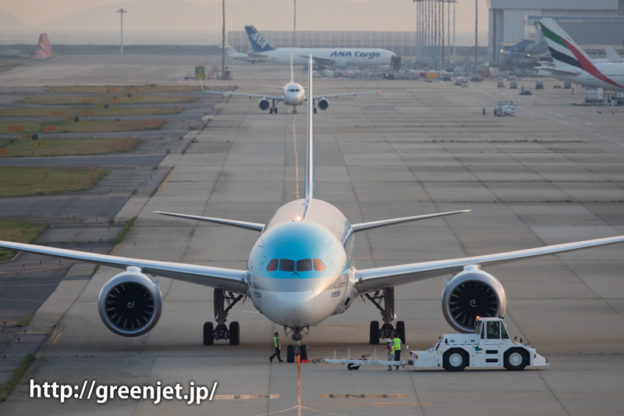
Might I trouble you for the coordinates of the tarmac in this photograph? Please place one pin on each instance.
(554, 173)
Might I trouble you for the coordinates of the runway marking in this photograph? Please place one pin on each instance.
(364, 396)
(165, 181)
(55, 337)
(245, 396)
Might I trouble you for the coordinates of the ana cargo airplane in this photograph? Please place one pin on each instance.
(338, 57)
(293, 95)
(301, 271)
(571, 63)
(234, 54)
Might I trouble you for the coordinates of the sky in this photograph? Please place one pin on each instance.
(39, 12)
(204, 16)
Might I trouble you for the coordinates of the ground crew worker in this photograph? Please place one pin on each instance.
(389, 352)
(278, 346)
(397, 349)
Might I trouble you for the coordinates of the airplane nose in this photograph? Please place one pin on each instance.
(300, 308)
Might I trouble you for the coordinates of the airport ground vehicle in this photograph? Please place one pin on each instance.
(525, 91)
(594, 95)
(488, 347)
(505, 108)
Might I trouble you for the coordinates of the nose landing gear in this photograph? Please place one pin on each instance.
(298, 348)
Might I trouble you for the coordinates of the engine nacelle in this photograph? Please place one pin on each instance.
(130, 303)
(472, 293)
(264, 104)
(323, 104)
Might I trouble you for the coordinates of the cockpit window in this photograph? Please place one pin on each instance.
(272, 266)
(319, 266)
(304, 265)
(286, 265)
(293, 90)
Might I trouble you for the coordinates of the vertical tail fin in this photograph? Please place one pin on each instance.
(292, 71)
(309, 173)
(564, 50)
(562, 47)
(257, 40)
(44, 50)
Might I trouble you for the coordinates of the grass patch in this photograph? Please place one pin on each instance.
(18, 231)
(17, 376)
(82, 126)
(108, 99)
(89, 111)
(66, 147)
(27, 181)
(119, 89)
(124, 231)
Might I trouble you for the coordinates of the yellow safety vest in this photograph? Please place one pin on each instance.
(397, 344)
(276, 342)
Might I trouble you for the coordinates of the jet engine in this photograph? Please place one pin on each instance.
(130, 303)
(323, 104)
(469, 294)
(264, 104)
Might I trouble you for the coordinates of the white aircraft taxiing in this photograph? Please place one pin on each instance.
(293, 94)
(300, 272)
(338, 57)
(571, 63)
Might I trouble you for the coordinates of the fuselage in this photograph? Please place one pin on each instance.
(341, 56)
(300, 268)
(610, 75)
(294, 94)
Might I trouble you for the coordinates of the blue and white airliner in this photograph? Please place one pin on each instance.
(300, 272)
(339, 57)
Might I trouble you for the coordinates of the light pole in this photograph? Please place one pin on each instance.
(294, 23)
(121, 13)
(223, 40)
(476, 33)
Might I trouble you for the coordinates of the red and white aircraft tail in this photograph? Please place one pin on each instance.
(44, 50)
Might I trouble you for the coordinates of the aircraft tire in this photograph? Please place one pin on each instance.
(234, 333)
(290, 354)
(374, 333)
(208, 333)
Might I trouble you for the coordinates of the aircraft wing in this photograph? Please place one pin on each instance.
(244, 94)
(380, 277)
(347, 94)
(229, 279)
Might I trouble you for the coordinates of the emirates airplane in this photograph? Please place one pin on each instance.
(571, 63)
(300, 272)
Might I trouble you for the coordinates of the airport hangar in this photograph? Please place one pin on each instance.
(597, 22)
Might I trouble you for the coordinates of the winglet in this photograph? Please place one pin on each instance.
(309, 174)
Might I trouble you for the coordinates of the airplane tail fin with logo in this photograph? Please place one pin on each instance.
(44, 50)
(563, 49)
(257, 40)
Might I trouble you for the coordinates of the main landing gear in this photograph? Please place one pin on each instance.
(387, 314)
(221, 298)
(298, 348)
(273, 109)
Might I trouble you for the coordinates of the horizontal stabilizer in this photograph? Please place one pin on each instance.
(233, 223)
(382, 223)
